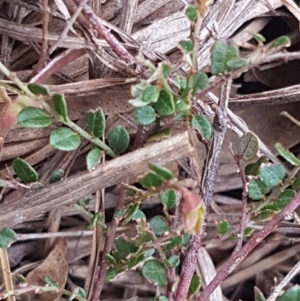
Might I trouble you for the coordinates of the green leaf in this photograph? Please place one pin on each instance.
(154, 271)
(182, 102)
(37, 89)
(7, 237)
(163, 298)
(223, 227)
(162, 171)
(51, 282)
(33, 118)
(253, 168)
(175, 242)
(110, 259)
(64, 139)
(56, 176)
(168, 198)
(60, 105)
(137, 90)
(200, 81)
(194, 286)
(280, 42)
(284, 198)
(159, 225)
(191, 13)
(93, 158)
(144, 115)
(248, 146)
(131, 212)
(78, 291)
(264, 215)
(24, 171)
(272, 175)
(257, 189)
(166, 70)
(118, 139)
(126, 247)
(186, 45)
(200, 123)
(139, 215)
(165, 105)
(173, 261)
(111, 274)
(259, 38)
(293, 294)
(151, 180)
(135, 261)
(182, 83)
(248, 231)
(160, 135)
(287, 155)
(296, 184)
(96, 122)
(236, 63)
(221, 53)
(258, 295)
(150, 94)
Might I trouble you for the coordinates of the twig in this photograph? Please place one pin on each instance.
(256, 238)
(209, 178)
(42, 61)
(277, 291)
(53, 234)
(103, 32)
(68, 26)
(109, 241)
(243, 220)
(6, 273)
(210, 171)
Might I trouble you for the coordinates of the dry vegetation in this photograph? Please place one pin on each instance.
(53, 236)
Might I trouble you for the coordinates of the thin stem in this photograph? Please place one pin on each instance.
(255, 239)
(195, 35)
(68, 26)
(6, 273)
(16, 80)
(277, 291)
(109, 241)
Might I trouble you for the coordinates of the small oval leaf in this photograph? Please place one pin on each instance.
(96, 122)
(154, 271)
(248, 146)
(162, 171)
(7, 237)
(293, 294)
(64, 139)
(168, 198)
(93, 158)
(159, 225)
(33, 118)
(200, 81)
(191, 13)
(257, 189)
(24, 171)
(144, 115)
(38, 89)
(272, 175)
(60, 105)
(203, 125)
(118, 139)
(165, 104)
(287, 155)
(223, 227)
(151, 180)
(194, 286)
(186, 45)
(284, 198)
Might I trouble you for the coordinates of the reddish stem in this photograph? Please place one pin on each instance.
(105, 34)
(256, 238)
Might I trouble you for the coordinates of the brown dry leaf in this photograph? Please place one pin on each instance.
(55, 266)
